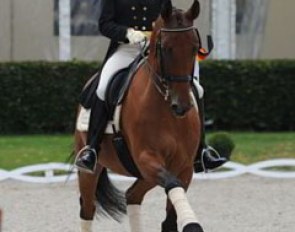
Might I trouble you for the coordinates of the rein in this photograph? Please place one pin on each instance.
(177, 29)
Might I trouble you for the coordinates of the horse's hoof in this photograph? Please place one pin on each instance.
(193, 227)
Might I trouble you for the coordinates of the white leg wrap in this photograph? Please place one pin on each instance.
(134, 215)
(185, 214)
(86, 226)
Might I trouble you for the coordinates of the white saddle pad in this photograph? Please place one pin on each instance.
(82, 123)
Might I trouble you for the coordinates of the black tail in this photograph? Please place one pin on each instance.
(110, 200)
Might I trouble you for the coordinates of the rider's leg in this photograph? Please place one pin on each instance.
(207, 157)
(86, 160)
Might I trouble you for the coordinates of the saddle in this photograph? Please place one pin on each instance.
(119, 85)
(115, 94)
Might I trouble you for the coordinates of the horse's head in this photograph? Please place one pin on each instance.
(173, 48)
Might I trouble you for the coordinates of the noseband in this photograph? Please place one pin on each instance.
(162, 81)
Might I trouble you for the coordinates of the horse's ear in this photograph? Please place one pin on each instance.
(166, 11)
(194, 11)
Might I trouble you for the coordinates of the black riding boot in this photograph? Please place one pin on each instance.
(207, 157)
(87, 158)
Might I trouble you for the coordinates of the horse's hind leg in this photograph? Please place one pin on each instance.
(134, 197)
(87, 186)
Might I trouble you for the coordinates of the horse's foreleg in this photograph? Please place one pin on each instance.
(87, 186)
(153, 169)
(134, 197)
(170, 223)
(186, 218)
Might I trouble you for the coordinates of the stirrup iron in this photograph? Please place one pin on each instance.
(205, 151)
(84, 169)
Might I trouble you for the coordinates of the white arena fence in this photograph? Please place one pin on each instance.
(49, 171)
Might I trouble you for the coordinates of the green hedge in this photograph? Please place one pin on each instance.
(250, 95)
(41, 97)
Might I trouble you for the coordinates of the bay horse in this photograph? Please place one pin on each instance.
(161, 126)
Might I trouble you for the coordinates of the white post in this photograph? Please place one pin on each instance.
(224, 28)
(64, 30)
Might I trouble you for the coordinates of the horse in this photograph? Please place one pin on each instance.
(160, 124)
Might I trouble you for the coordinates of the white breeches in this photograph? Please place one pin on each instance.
(197, 79)
(124, 55)
(199, 88)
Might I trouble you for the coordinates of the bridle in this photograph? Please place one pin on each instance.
(162, 80)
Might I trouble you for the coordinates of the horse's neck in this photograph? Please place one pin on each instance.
(143, 95)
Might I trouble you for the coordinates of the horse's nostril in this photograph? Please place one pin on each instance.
(174, 107)
(178, 110)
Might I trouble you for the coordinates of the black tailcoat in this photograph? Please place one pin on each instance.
(116, 17)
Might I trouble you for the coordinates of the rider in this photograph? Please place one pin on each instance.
(125, 23)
